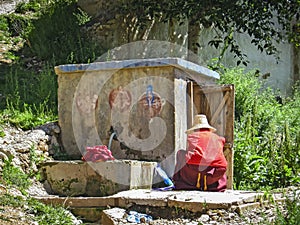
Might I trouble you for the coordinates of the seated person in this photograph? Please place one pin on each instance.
(203, 165)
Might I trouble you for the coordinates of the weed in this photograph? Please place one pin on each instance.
(288, 213)
(2, 134)
(43, 214)
(82, 17)
(13, 175)
(27, 116)
(9, 200)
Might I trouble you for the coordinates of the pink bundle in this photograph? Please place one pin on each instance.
(97, 153)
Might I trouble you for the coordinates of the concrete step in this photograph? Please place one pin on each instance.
(91, 208)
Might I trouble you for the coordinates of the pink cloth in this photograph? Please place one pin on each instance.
(97, 153)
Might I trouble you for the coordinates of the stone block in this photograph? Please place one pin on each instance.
(112, 216)
(79, 178)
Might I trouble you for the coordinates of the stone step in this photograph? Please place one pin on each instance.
(90, 208)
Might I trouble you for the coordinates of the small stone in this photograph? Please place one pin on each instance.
(215, 217)
(2, 189)
(192, 223)
(231, 215)
(143, 220)
(204, 218)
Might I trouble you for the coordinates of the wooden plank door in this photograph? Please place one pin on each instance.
(217, 103)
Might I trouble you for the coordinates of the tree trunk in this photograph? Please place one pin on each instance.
(193, 36)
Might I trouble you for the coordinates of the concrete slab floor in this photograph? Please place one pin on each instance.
(162, 203)
(191, 200)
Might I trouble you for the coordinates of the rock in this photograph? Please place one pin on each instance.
(3, 156)
(8, 6)
(2, 189)
(204, 218)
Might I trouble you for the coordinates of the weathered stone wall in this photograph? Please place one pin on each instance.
(100, 121)
(135, 107)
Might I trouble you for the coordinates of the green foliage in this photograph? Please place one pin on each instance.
(28, 116)
(290, 215)
(49, 32)
(3, 26)
(19, 25)
(32, 5)
(9, 200)
(43, 214)
(30, 97)
(266, 133)
(58, 35)
(32, 87)
(82, 17)
(2, 134)
(13, 175)
(293, 212)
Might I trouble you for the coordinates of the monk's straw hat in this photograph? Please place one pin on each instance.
(200, 121)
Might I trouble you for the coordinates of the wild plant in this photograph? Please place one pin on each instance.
(266, 140)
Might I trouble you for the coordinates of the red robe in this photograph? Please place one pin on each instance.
(205, 149)
(203, 165)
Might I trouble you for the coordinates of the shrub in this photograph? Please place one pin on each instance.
(266, 133)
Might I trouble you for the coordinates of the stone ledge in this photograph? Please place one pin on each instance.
(78, 178)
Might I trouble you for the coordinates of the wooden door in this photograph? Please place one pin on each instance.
(217, 103)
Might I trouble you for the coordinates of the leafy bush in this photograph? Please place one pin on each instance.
(266, 133)
(32, 5)
(58, 35)
(2, 134)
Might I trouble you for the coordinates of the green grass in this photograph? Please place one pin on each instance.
(28, 116)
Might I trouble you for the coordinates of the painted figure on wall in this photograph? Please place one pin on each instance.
(150, 104)
(86, 103)
(120, 99)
